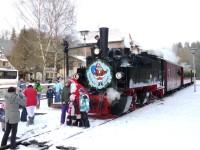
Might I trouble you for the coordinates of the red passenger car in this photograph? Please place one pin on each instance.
(173, 76)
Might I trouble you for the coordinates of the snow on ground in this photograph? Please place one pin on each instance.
(172, 123)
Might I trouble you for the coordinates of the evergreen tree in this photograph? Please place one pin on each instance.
(24, 55)
(185, 54)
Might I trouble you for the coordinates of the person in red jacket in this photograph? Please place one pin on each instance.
(31, 102)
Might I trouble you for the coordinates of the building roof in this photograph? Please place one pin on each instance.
(81, 58)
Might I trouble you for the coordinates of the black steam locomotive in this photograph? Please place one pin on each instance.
(119, 80)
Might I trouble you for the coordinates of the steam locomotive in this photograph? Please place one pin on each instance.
(119, 81)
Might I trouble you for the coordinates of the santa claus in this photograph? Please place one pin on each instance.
(75, 86)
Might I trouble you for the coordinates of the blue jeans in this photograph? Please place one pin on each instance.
(63, 113)
(57, 97)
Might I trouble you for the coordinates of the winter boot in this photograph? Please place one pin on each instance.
(74, 121)
(69, 120)
(81, 124)
(30, 120)
(33, 119)
(87, 123)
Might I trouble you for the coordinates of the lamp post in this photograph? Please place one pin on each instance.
(66, 61)
(84, 33)
(193, 50)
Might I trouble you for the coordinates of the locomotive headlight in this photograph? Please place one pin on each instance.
(96, 51)
(119, 75)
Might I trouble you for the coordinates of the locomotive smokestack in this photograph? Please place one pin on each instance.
(104, 40)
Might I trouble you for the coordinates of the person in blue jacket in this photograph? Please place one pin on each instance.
(84, 108)
(58, 89)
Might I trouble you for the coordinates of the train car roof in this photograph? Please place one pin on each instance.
(159, 57)
(168, 61)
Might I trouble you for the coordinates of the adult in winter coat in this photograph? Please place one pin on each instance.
(58, 89)
(12, 115)
(21, 84)
(39, 89)
(65, 99)
(31, 102)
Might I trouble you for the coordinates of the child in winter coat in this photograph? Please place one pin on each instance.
(72, 109)
(50, 93)
(2, 116)
(84, 108)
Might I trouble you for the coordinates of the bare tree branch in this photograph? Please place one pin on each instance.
(52, 17)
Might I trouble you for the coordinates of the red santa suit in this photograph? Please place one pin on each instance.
(74, 90)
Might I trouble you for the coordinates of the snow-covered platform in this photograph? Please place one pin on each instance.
(170, 123)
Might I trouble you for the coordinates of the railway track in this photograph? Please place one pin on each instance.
(38, 136)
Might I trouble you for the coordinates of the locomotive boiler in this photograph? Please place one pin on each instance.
(119, 81)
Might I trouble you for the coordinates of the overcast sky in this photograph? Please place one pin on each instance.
(152, 23)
